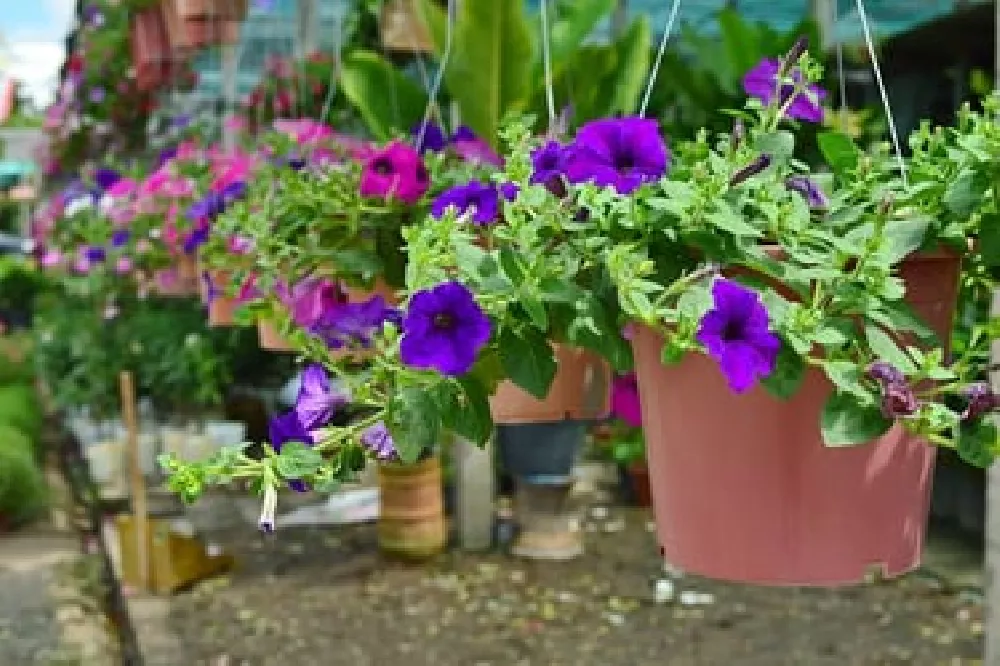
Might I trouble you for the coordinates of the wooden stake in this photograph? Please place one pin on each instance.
(136, 478)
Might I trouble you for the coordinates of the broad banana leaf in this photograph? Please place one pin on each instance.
(570, 23)
(387, 99)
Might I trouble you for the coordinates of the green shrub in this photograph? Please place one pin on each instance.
(20, 409)
(22, 483)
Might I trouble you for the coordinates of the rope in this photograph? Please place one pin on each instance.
(439, 78)
(881, 90)
(667, 29)
(338, 46)
(843, 85)
(550, 98)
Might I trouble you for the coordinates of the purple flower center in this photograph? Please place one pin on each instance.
(383, 166)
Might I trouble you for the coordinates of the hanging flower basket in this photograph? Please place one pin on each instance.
(154, 61)
(743, 487)
(402, 27)
(207, 9)
(194, 24)
(411, 520)
(580, 390)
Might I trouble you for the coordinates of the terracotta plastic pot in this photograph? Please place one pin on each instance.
(580, 390)
(269, 338)
(744, 488)
(411, 520)
(221, 309)
(638, 475)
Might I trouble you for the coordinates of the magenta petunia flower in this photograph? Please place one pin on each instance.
(395, 172)
(762, 82)
(310, 298)
(444, 330)
(622, 153)
(625, 399)
(476, 151)
(736, 333)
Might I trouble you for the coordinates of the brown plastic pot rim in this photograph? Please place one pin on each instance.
(400, 469)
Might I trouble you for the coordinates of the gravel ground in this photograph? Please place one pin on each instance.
(29, 633)
(326, 596)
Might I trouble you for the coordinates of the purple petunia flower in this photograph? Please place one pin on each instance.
(548, 166)
(480, 200)
(736, 333)
(762, 82)
(885, 373)
(96, 95)
(814, 196)
(95, 254)
(379, 442)
(346, 324)
(105, 178)
(622, 153)
(212, 290)
(434, 138)
(317, 402)
(119, 237)
(981, 400)
(196, 238)
(165, 156)
(464, 133)
(444, 330)
(898, 400)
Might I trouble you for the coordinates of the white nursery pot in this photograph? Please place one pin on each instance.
(226, 433)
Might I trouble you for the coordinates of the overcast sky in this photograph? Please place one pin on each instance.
(35, 32)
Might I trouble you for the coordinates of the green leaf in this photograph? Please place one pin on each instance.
(846, 378)
(780, 145)
(989, 239)
(297, 461)
(740, 40)
(962, 196)
(630, 74)
(467, 412)
(839, 151)
(886, 349)
(528, 360)
(789, 371)
(512, 264)
(978, 443)
(900, 316)
(412, 419)
(902, 238)
(490, 70)
(386, 99)
(573, 23)
(731, 222)
(847, 422)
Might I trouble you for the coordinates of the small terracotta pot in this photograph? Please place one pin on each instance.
(411, 521)
(579, 391)
(270, 339)
(198, 9)
(743, 487)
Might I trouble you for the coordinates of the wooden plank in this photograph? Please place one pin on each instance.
(137, 481)
(474, 494)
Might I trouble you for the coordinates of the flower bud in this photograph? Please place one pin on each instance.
(762, 162)
(981, 400)
(898, 400)
(739, 133)
(884, 373)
